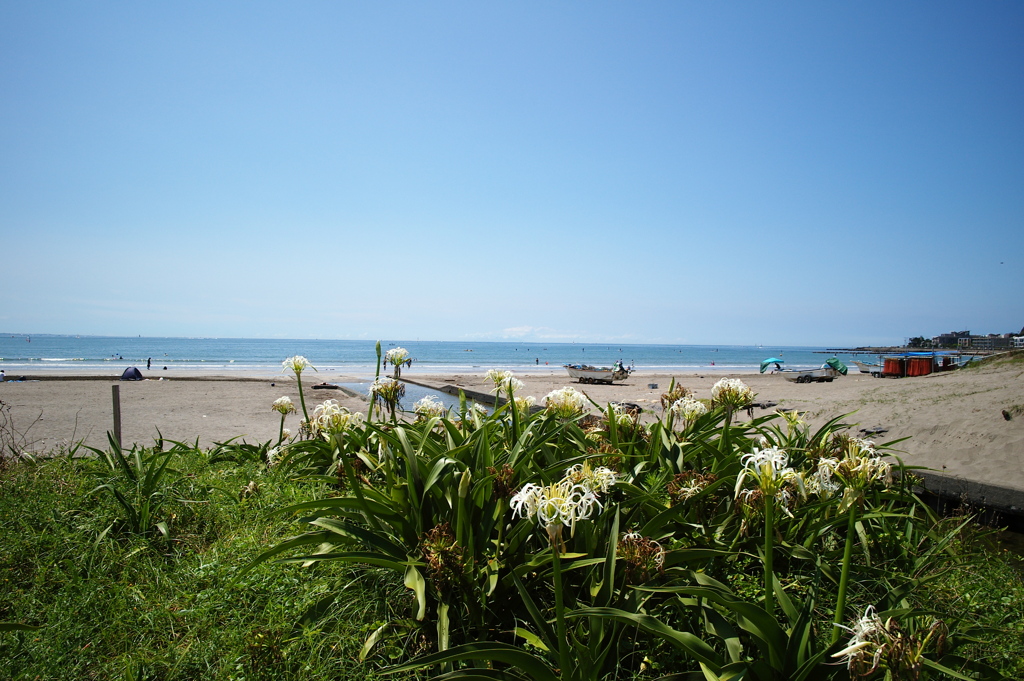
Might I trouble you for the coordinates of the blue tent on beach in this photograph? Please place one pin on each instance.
(772, 360)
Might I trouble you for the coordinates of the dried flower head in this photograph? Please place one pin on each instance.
(445, 559)
(689, 484)
(643, 556)
(675, 393)
(504, 481)
(250, 490)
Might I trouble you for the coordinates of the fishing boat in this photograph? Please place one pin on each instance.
(585, 373)
(873, 369)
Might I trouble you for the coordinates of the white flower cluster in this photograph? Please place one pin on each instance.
(283, 405)
(732, 392)
(867, 633)
(330, 417)
(504, 382)
(866, 447)
(770, 468)
(384, 386)
(688, 409)
(297, 364)
(598, 479)
(525, 404)
(562, 503)
(429, 407)
(625, 416)
(496, 376)
(396, 356)
(822, 481)
(859, 468)
(565, 403)
(571, 499)
(770, 461)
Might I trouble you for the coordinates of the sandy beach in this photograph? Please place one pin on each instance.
(955, 420)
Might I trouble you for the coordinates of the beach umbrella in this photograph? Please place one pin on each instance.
(772, 360)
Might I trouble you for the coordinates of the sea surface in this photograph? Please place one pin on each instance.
(21, 354)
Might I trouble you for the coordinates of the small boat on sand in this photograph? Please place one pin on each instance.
(585, 373)
(828, 372)
(865, 368)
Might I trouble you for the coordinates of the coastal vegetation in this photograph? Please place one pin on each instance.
(554, 539)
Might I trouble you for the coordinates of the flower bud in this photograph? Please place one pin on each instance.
(464, 483)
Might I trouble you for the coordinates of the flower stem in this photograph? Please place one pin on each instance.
(280, 432)
(844, 579)
(769, 536)
(369, 409)
(563, 643)
(302, 398)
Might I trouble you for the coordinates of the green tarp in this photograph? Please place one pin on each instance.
(837, 365)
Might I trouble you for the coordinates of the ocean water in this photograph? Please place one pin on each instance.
(20, 354)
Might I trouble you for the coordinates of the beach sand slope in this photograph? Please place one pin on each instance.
(954, 420)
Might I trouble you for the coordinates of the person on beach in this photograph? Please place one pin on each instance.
(3, 376)
(149, 364)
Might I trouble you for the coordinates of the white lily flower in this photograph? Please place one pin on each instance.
(396, 355)
(688, 409)
(770, 468)
(562, 504)
(867, 633)
(598, 479)
(330, 417)
(566, 403)
(429, 407)
(297, 364)
(504, 382)
(283, 405)
(732, 392)
(525, 404)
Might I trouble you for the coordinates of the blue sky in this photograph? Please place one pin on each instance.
(681, 172)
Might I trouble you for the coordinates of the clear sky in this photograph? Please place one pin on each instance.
(681, 172)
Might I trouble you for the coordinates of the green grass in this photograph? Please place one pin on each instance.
(989, 588)
(119, 606)
(114, 605)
